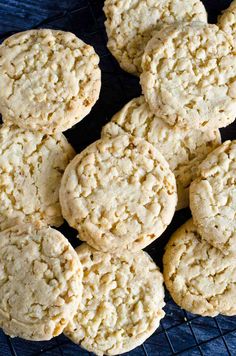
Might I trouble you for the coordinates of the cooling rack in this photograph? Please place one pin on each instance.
(180, 333)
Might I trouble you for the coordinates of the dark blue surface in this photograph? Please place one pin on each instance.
(180, 333)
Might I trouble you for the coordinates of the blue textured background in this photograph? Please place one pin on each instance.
(180, 333)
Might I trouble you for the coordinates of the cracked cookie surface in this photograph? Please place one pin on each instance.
(118, 193)
(130, 25)
(184, 150)
(40, 282)
(49, 80)
(31, 169)
(199, 277)
(214, 191)
(122, 301)
(227, 21)
(189, 76)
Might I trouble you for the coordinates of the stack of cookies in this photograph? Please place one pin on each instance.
(49, 81)
(102, 295)
(187, 73)
(158, 154)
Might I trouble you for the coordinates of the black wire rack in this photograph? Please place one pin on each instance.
(180, 333)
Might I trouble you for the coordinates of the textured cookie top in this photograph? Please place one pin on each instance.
(40, 282)
(118, 193)
(199, 277)
(49, 80)
(122, 301)
(182, 149)
(31, 168)
(214, 191)
(189, 76)
(130, 25)
(227, 21)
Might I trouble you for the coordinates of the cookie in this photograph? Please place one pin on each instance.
(31, 168)
(130, 25)
(122, 301)
(40, 282)
(199, 277)
(189, 76)
(184, 150)
(50, 80)
(213, 198)
(227, 21)
(118, 193)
